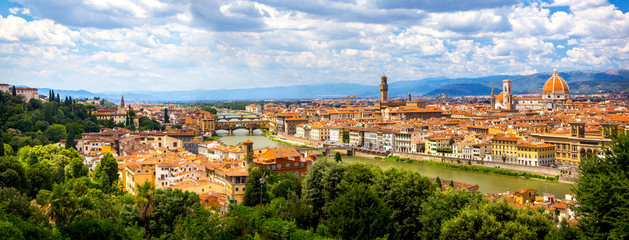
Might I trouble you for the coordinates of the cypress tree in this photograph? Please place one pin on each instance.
(438, 180)
(58, 98)
(70, 143)
(14, 92)
(1, 148)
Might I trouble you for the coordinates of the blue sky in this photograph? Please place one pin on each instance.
(161, 45)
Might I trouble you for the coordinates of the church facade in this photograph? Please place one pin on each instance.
(555, 95)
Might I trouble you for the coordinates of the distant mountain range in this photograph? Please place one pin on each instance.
(580, 82)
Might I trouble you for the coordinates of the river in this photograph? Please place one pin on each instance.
(487, 182)
(241, 135)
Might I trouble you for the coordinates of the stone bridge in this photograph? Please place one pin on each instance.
(241, 123)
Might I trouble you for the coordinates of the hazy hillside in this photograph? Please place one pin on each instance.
(579, 82)
(461, 89)
(592, 82)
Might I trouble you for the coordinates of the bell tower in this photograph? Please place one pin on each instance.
(493, 99)
(507, 100)
(384, 87)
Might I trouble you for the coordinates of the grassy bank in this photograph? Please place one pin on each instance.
(274, 138)
(500, 171)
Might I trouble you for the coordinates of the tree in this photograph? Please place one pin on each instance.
(321, 184)
(296, 209)
(1, 148)
(41, 176)
(169, 205)
(61, 204)
(145, 203)
(286, 183)
(56, 132)
(94, 228)
(498, 220)
(12, 174)
(166, 117)
(203, 224)
(13, 91)
(70, 143)
(345, 136)
(337, 157)
(403, 193)
(78, 168)
(441, 207)
(602, 188)
(257, 193)
(358, 214)
(438, 181)
(106, 171)
(451, 184)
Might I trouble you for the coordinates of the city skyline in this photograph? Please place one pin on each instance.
(156, 45)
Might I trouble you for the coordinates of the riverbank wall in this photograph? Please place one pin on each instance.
(564, 176)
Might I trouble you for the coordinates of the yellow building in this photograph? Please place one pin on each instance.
(104, 149)
(525, 195)
(536, 154)
(234, 176)
(207, 124)
(199, 187)
(435, 142)
(319, 132)
(137, 173)
(504, 149)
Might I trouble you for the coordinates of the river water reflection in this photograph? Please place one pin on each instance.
(241, 135)
(488, 182)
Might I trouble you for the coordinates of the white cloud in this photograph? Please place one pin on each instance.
(45, 31)
(125, 45)
(23, 11)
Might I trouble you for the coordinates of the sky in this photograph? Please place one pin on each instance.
(164, 45)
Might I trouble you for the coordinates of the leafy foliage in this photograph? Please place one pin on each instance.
(602, 189)
(107, 171)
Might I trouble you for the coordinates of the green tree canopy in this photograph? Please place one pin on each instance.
(497, 221)
(358, 214)
(106, 171)
(56, 132)
(253, 187)
(602, 189)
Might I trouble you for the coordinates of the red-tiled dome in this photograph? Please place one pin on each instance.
(500, 97)
(555, 84)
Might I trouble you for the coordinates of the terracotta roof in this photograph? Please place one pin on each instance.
(555, 84)
(503, 138)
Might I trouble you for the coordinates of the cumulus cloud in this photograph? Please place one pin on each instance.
(128, 44)
(443, 6)
(17, 29)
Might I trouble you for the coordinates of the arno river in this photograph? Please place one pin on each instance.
(488, 183)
